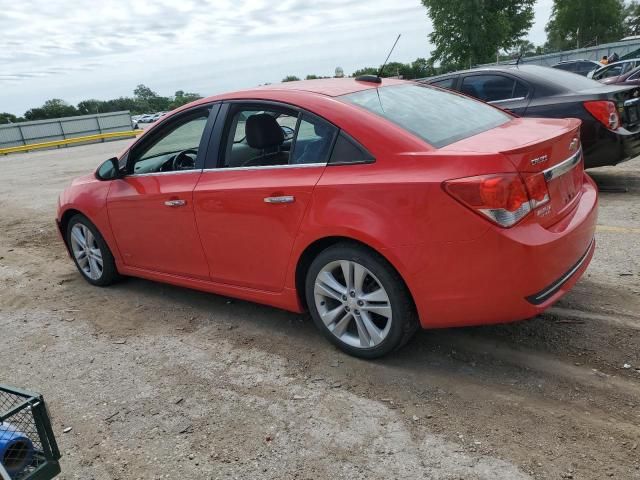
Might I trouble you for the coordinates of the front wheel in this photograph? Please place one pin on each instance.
(90, 252)
(359, 301)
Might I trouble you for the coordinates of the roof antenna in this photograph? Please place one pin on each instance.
(377, 78)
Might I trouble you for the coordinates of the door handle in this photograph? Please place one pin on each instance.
(175, 203)
(281, 199)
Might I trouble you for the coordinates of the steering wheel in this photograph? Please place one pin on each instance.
(288, 132)
(184, 161)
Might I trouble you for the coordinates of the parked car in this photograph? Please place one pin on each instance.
(146, 118)
(631, 78)
(610, 131)
(436, 211)
(612, 72)
(581, 67)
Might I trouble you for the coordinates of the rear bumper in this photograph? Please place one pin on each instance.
(506, 274)
(612, 148)
(548, 292)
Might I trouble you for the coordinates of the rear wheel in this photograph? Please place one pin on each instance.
(90, 252)
(359, 301)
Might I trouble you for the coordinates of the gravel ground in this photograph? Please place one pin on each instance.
(163, 382)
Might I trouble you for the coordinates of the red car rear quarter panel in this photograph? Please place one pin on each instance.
(486, 280)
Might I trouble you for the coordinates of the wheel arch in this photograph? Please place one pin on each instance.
(72, 211)
(314, 248)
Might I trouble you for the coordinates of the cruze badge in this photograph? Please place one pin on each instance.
(539, 160)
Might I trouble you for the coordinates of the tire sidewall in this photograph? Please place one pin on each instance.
(390, 281)
(108, 266)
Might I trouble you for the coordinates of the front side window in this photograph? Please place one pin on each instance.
(262, 137)
(438, 117)
(175, 148)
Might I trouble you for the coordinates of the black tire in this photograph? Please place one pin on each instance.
(404, 319)
(109, 272)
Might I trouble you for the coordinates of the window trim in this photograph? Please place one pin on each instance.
(152, 136)
(214, 158)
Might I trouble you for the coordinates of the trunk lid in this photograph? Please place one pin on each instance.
(542, 147)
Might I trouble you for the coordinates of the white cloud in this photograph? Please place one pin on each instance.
(77, 50)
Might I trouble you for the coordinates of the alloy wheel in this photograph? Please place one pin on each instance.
(86, 251)
(353, 304)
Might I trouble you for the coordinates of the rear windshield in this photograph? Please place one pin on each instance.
(440, 118)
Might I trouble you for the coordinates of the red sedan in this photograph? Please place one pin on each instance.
(377, 206)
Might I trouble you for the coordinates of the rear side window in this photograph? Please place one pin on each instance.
(445, 83)
(569, 67)
(438, 117)
(347, 150)
(493, 88)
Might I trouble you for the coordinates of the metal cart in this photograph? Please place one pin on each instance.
(28, 449)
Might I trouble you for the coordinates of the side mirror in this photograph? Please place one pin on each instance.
(109, 170)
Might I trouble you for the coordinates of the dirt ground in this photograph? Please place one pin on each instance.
(163, 382)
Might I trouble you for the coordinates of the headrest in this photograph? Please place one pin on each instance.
(321, 130)
(263, 131)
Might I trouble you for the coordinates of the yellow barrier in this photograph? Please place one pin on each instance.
(69, 141)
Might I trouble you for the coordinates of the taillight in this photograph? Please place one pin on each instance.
(605, 112)
(505, 198)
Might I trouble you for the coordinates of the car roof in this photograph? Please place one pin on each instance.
(623, 61)
(331, 87)
(577, 60)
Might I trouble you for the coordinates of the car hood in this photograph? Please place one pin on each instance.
(84, 179)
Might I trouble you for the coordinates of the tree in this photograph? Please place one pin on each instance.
(632, 19)
(181, 98)
(88, 107)
(522, 47)
(9, 118)
(54, 108)
(419, 68)
(468, 32)
(578, 23)
(366, 71)
(290, 78)
(150, 101)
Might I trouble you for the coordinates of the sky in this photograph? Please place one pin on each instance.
(79, 50)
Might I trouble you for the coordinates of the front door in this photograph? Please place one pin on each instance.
(249, 208)
(151, 209)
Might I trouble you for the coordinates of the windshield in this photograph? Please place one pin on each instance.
(440, 118)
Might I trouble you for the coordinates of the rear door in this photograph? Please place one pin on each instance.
(251, 198)
(502, 90)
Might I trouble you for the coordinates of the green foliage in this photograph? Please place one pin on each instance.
(419, 68)
(366, 71)
(54, 108)
(290, 78)
(469, 32)
(144, 100)
(314, 77)
(522, 47)
(632, 19)
(9, 118)
(182, 98)
(581, 23)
